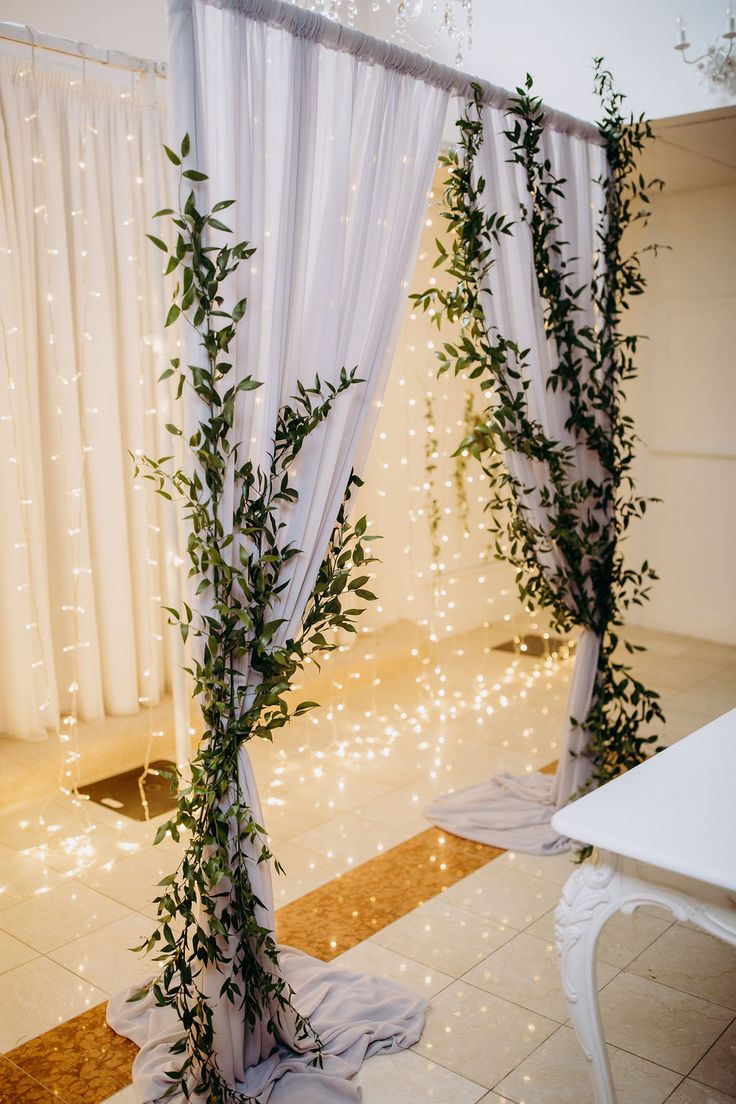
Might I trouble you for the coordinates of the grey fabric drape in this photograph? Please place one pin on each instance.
(329, 159)
(507, 811)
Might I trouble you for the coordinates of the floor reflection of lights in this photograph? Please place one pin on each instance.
(342, 786)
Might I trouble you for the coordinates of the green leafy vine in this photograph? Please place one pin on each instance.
(208, 938)
(590, 584)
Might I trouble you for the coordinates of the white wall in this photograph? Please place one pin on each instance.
(555, 41)
(134, 26)
(685, 406)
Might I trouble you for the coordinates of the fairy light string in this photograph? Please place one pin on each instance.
(72, 490)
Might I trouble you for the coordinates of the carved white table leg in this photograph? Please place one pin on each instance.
(590, 896)
(588, 899)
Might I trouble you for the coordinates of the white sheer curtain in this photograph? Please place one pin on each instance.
(508, 811)
(82, 559)
(329, 157)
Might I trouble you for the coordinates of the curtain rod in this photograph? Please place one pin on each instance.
(26, 36)
(318, 28)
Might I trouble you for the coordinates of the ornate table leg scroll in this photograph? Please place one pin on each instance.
(589, 897)
(593, 893)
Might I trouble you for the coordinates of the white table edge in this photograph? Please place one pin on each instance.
(561, 823)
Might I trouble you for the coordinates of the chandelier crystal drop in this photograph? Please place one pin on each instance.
(451, 19)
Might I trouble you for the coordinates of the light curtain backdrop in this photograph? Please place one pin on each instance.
(330, 159)
(83, 559)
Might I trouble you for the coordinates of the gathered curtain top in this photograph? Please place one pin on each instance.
(328, 32)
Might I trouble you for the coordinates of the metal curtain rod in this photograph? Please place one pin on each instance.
(114, 59)
(317, 27)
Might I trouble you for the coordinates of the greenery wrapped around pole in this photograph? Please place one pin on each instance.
(588, 523)
(239, 562)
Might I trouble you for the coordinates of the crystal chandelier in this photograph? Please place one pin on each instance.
(451, 19)
(716, 64)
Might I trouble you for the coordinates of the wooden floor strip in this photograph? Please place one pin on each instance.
(16, 1086)
(81, 1061)
(334, 917)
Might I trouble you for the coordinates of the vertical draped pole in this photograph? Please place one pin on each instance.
(182, 118)
(181, 70)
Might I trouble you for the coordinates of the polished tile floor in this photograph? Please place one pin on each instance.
(341, 790)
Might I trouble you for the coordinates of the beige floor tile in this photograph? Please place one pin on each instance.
(444, 937)
(658, 1023)
(132, 880)
(349, 838)
(400, 809)
(622, 938)
(692, 1092)
(407, 1078)
(526, 971)
(715, 653)
(551, 868)
(693, 962)
(371, 958)
(557, 1073)
(141, 832)
(36, 822)
(679, 723)
(21, 876)
(13, 953)
(39, 995)
(73, 852)
(715, 695)
(478, 1035)
(65, 913)
(337, 789)
(104, 959)
(502, 894)
(718, 1067)
(287, 814)
(497, 760)
(685, 671)
(304, 871)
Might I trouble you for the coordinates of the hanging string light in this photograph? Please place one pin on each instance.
(66, 383)
(445, 686)
(71, 407)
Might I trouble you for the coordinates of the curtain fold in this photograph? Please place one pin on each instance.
(508, 811)
(82, 561)
(330, 159)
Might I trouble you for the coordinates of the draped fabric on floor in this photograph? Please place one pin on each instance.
(330, 159)
(81, 300)
(508, 811)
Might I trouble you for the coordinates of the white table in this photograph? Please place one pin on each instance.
(666, 834)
